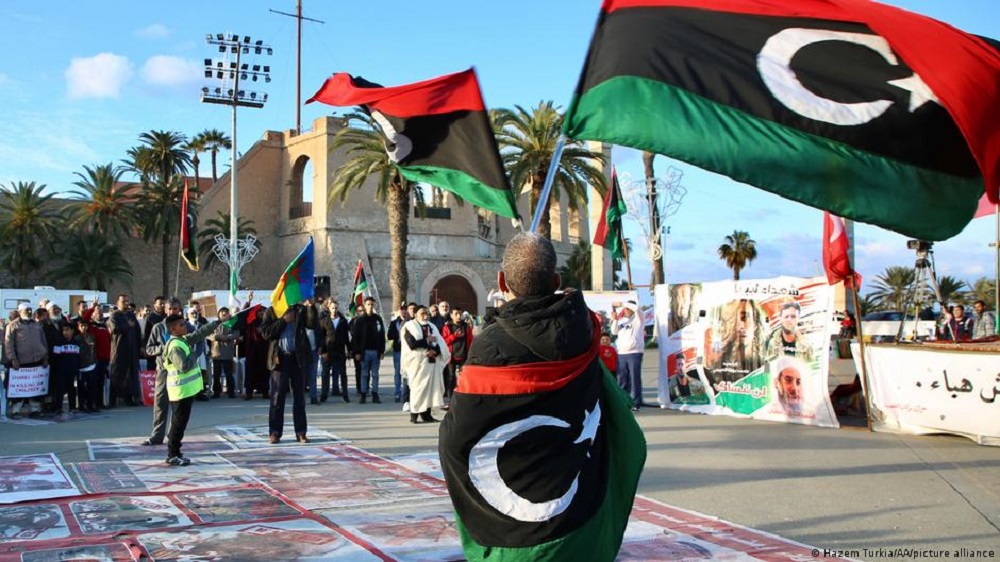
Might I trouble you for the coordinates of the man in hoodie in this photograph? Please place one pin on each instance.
(628, 326)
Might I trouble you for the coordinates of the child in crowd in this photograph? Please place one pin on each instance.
(65, 367)
(609, 355)
(89, 387)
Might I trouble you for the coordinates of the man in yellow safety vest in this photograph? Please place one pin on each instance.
(184, 380)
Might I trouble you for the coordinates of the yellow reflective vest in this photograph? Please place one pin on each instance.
(181, 385)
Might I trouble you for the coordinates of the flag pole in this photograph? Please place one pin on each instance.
(366, 264)
(865, 386)
(177, 275)
(628, 266)
(547, 188)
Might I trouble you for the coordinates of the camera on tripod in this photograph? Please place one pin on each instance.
(923, 249)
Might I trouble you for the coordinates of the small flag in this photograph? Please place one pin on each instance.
(189, 232)
(437, 132)
(609, 231)
(241, 319)
(360, 286)
(836, 252)
(296, 283)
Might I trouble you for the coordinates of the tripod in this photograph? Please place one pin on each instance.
(923, 275)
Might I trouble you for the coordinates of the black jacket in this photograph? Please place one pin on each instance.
(272, 326)
(336, 341)
(368, 333)
(533, 329)
(395, 327)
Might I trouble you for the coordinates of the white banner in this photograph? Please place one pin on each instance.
(756, 348)
(923, 389)
(28, 383)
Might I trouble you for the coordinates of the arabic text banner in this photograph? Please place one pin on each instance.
(756, 348)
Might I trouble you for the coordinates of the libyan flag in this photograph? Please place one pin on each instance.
(244, 318)
(360, 286)
(437, 132)
(296, 283)
(189, 232)
(609, 230)
(870, 112)
(542, 460)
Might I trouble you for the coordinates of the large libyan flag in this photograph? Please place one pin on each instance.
(437, 132)
(542, 460)
(871, 112)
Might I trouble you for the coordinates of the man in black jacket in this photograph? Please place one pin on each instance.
(396, 337)
(333, 352)
(289, 343)
(368, 344)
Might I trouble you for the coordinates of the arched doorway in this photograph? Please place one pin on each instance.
(457, 291)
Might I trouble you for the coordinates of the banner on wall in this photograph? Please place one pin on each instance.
(748, 348)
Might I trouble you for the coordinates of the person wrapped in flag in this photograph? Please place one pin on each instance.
(540, 451)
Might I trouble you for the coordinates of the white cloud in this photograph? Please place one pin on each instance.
(99, 76)
(165, 70)
(155, 31)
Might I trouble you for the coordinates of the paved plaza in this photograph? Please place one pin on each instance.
(368, 488)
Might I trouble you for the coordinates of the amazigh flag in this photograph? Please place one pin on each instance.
(243, 318)
(437, 132)
(542, 460)
(189, 231)
(360, 286)
(837, 252)
(865, 110)
(609, 231)
(296, 283)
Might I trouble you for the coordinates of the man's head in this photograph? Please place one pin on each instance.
(84, 327)
(679, 363)
(68, 330)
(41, 315)
(444, 308)
(958, 311)
(122, 302)
(192, 314)
(529, 267)
(629, 309)
(423, 315)
(456, 315)
(979, 307)
(224, 314)
(789, 316)
(605, 339)
(158, 304)
(80, 307)
(411, 309)
(174, 307)
(176, 325)
(55, 311)
(790, 384)
(24, 311)
(404, 311)
(432, 310)
(333, 306)
(369, 306)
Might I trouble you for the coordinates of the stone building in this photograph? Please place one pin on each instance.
(283, 183)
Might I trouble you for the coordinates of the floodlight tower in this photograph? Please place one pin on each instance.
(237, 62)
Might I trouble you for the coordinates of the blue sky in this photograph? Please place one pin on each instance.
(81, 80)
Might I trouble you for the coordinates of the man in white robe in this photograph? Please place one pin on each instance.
(425, 356)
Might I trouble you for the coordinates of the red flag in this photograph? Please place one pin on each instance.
(189, 232)
(836, 252)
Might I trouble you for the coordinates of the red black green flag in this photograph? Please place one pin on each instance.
(609, 230)
(360, 286)
(189, 232)
(865, 110)
(437, 132)
(542, 460)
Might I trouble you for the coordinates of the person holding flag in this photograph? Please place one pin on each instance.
(284, 325)
(539, 450)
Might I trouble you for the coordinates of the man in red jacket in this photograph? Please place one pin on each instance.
(458, 335)
(102, 348)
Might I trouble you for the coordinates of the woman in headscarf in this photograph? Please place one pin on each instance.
(424, 358)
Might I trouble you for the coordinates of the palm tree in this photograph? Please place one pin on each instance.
(28, 223)
(528, 140)
(91, 261)
(984, 289)
(952, 290)
(215, 140)
(576, 272)
(892, 286)
(215, 226)
(366, 156)
(654, 212)
(159, 211)
(167, 155)
(869, 303)
(738, 251)
(196, 146)
(104, 206)
(140, 161)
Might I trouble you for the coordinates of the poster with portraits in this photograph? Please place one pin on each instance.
(748, 348)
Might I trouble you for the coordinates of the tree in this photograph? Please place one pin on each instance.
(215, 140)
(91, 261)
(28, 223)
(738, 251)
(576, 271)
(215, 226)
(892, 287)
(984, 289)
(952, 290)
(103, 206)
(159, 211)
(528, 140)
(366, 157)
(167, 155)
(196, 146)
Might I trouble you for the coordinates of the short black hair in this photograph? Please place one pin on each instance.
(529, 265)
(367, 299)
(174, 319)
(224, 309)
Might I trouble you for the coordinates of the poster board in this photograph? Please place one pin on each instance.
(28, 382)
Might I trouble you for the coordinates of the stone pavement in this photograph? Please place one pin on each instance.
(845, 490)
